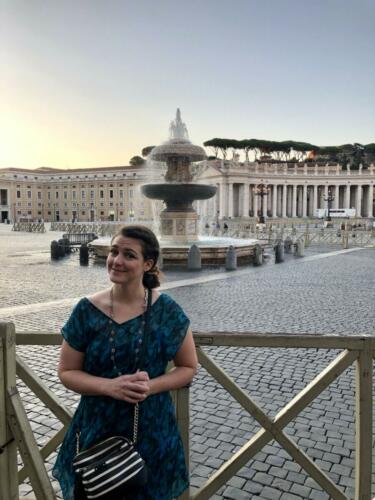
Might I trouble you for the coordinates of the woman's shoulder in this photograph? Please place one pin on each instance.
(168, 304)
(99, 299)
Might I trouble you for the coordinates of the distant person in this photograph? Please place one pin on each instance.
(100, 360)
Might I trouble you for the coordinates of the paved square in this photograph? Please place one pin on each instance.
(324, 292)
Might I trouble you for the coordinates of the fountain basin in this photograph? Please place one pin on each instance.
(176, 195)
(213, 250)
(181, 148)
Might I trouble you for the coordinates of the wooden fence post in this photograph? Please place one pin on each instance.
(8, 457)
(20, 426)
(181, 398)
(363, 423)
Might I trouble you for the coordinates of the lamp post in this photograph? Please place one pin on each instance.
(131, 215)
(217, 219)
(330, 198)
(261, 190)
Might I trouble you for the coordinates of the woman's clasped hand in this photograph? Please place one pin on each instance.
(130, 388)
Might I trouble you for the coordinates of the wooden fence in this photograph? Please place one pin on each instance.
(16, 433)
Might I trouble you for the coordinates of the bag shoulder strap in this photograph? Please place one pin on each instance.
(146, 328)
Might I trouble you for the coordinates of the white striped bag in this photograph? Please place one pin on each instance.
(110, 469)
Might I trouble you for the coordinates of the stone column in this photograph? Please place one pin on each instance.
(326, 196)
(245, 200)
(347, 196)
(294, 202)
(315, 198)
(265, 203)
(304, 201)
(284, 200)
(337, 196)
(370, 201)
(359, 201)
(222, 200)
(230, 199)
(255, 204)
(274, 200)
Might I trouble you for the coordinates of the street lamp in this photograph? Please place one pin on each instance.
(131, 215)
(261, 190)
(330, 198)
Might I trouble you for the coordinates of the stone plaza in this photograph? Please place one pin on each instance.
(328, 291)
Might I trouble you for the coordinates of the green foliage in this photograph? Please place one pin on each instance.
(146, 151)
(370, 148)
(137, 161)
(354, 154)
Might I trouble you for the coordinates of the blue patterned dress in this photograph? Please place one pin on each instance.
(97, 417)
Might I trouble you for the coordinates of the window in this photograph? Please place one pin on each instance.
(101, 194)
(83, 194)
(121, 193)
(74, 193)
(111, 193)
(130, 193)
(57, 195)
(65, 195)
(92, 194)
(29, 194)
(39, 195)
(49, 195)
(18, 194)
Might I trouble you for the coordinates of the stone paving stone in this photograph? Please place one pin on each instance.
(235, 494)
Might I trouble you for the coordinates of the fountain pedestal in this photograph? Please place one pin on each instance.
(181, 227)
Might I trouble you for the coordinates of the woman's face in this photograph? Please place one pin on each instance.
(125, 262)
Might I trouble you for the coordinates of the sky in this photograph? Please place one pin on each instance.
(89, 83)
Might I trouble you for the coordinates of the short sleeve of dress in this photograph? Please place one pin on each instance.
(174, 329)
(74, 331)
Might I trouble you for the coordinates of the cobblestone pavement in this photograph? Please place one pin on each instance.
(325, 292)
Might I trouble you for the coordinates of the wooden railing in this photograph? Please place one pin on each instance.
(16, 433)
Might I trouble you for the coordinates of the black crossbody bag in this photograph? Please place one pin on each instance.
(113, 468)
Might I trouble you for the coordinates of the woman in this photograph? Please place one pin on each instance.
(99, 356)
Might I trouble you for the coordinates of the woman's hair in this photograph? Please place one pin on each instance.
(150, 250)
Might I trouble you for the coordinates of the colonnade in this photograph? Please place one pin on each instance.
(298, 199)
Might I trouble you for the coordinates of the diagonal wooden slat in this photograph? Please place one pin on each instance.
(41, 390)
(286, 415)
(28, 447)
(315, 472)
(45, 452)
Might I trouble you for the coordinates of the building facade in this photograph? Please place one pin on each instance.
(94, 194)
(290, 190)
(113, 193)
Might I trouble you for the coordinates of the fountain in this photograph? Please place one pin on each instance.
(179, 220)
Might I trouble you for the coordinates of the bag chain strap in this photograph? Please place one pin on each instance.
(148, 294)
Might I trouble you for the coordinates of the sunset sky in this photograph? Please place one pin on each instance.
(89, 83)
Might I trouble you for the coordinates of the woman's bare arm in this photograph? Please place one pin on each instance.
(131, 388)
(185, 368)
